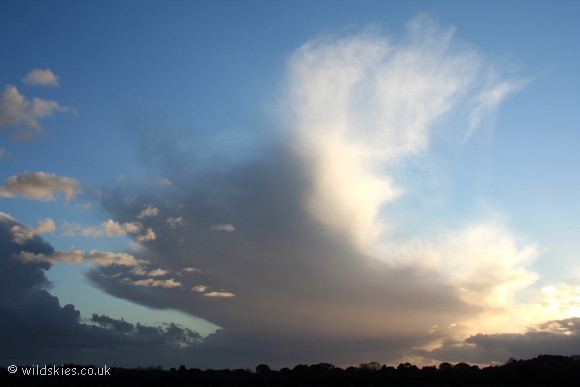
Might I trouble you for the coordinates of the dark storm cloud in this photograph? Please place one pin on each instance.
(34, 327)
(557, 337)
(297, 286)
(17, 277)
(119, 325)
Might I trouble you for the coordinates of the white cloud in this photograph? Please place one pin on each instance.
(22, 117)
(200, 289)
(494, 92)
(223, 227)
(41, 77)
(150, 282)
(486, 262)
(148, 236)
(220, 294)
(362, 105)
(111, 228)
(149, 211)
(138, 271)
(45, 225)
(191, 270)
(157, 273)
(40, 186)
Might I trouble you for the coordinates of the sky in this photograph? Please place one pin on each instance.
(223, 184)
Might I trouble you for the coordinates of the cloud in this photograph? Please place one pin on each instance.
(40, 186)
(108, 322)
(191, 270)
(170, 333)
(45, 225)
(200, 288)
(291, 276)
(223, 227)
(148, 236)
(557, 337)
(175, 222)
(109, 228)
(148, 211)
(37, 329)
(313, 262)
(16, 278)
(220, 294)
(494, 92)
(41, 77)
(157, 273)
(103, 258)
(149, 282)
(364, 104)
(496, 269)
(21, 117)
(22, 234)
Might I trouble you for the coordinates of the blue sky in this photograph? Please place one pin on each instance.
(228, 164)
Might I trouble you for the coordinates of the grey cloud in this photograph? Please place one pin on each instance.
(17, 277)
(36, 328)
(295, 282)
(119, 325)
(557, 337)
(168, 334)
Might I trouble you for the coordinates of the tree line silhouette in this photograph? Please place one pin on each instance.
(544, 370)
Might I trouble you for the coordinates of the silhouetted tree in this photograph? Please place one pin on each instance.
(263, 369)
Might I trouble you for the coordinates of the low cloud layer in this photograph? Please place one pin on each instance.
(36, 328)
(560, 337)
